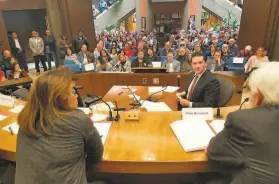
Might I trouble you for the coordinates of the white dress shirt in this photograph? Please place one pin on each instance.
(171, 67)
(17, 43)
(85, 61)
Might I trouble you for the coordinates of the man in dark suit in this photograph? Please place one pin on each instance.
(247, 149)
(18, 51)
(140, 61)
(202, 88)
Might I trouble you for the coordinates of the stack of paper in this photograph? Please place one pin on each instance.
(155, 107)
(12, 128)
(218, 125)
(99, 117)
(171, 89)
(103, 129)
(102, 107)
(192, 135)
(153, 89)
(17, 109)
(85, 110)
(2, 117)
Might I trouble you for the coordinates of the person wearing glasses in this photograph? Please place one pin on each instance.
(55, 139)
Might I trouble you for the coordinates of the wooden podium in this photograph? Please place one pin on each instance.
(149, 70)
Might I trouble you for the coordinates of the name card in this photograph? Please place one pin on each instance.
(7, 101)
(89, 67)
(197, 113)
(238, 60)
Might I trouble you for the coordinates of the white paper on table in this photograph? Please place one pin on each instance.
(156, 64)
(14, 126)
(89, 67)
(103, 129)
(17, 109)
(197, 113)
(193, 135)
(156, 107)
(7, 101)
(85, 110)
(2, 117)
(126, 87)
(99, 117)
(238, 60)
(171, 89)
(132, 96)
(154, 89)
(102, 107)
(218, 125)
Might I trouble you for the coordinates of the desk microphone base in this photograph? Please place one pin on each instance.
(218, 116)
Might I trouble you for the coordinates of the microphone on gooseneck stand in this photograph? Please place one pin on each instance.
(137, 103)
(245, 100)
(117, 117)
(218, 114)
(80, 103)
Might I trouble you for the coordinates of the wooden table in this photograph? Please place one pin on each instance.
(136, 151)
(16, 82)
(149, 69)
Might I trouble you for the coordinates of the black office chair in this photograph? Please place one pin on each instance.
(21, 93)
(7, 172)
(227, 89)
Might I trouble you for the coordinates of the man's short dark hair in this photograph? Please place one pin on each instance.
(170, 52)
(198, 54)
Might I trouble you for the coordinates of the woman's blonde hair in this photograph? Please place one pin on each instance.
(46, 102)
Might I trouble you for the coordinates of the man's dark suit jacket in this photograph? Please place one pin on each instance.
(247, 148)
(14, 49)
(206, 92)
(135, 63)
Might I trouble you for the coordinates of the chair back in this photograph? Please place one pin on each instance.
(68, 61)
(227, 89)
(209, 61)
(132, 58)
(74, 67)
(21, 93)
(163, 58)
(233, 65)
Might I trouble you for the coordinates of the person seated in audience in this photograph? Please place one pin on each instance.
(16, 72)
(98, 50)
(202, 87)
(104, 57)
(129, 52)
(246, 53)
(140, 61)
(56, 140)
(233, 48)
(155, 49)
(211, 52)
(171, 64)
(85, 57)
(246, 150)
(70, 55)
(218, 64)
(164, 51)
(197, 48)
(256, 60)
(114, 57)
(183, 58)
(122, 65)
(151, 56)
(8, 60)
(103, 65)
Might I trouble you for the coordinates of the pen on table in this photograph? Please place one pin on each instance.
(120, 93)
(11, 130)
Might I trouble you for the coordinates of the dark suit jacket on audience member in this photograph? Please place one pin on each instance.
(51, 43)
(135, 63)
(206, 92)
(247, 148)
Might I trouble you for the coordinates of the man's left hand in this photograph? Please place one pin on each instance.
(183, 102)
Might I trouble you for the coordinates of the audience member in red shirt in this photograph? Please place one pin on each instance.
(2, 76)
(128, 50)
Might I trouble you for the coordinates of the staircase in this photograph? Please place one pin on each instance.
(116, 12)
(221, 8)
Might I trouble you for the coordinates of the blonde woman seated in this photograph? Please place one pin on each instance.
(55, 139)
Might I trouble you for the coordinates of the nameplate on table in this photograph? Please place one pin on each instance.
(197, 113)
(238, 60)
(89, 67)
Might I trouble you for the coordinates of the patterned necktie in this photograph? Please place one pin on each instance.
(195, 80)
